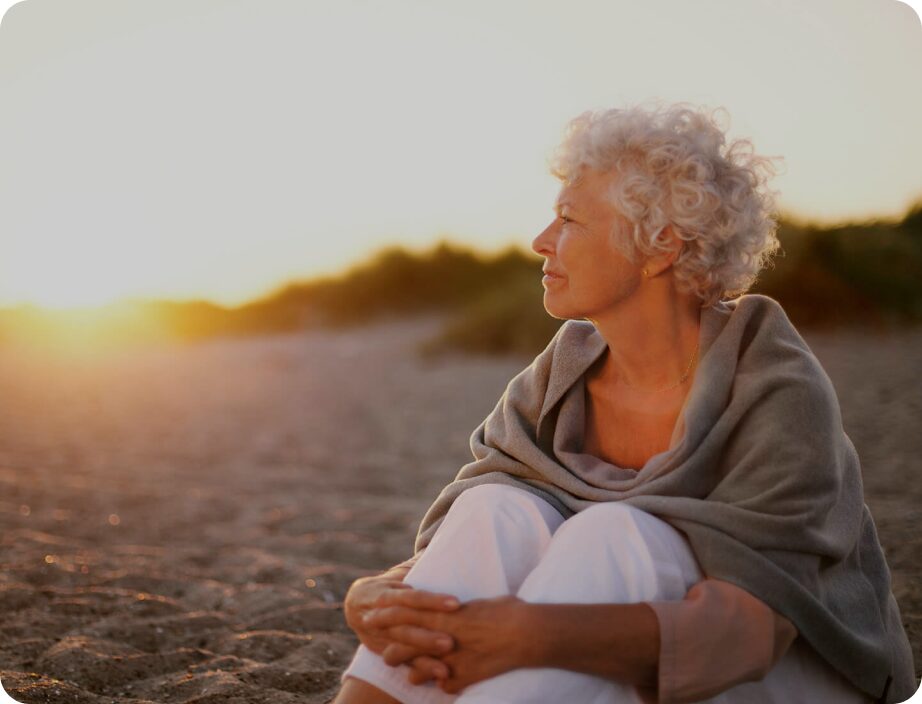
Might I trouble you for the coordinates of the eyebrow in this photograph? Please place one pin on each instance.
(558, 208)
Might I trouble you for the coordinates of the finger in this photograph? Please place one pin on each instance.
(451, 685)
(425, 668)
(390, 616)
(418, 599)
(398, 653)
(422, 639)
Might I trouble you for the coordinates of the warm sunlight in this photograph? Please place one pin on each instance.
(345, 126)
(82, 329)
(280, 281)
(63, 295)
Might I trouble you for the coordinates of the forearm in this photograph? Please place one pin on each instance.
(400, 571)
(615, 641)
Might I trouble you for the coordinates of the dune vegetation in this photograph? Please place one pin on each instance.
(864, 274)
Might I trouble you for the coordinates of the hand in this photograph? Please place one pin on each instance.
(386, 591)
(488, 633)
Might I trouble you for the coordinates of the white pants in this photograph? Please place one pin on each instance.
(498, 540)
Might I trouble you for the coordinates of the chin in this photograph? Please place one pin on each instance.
(560, 312)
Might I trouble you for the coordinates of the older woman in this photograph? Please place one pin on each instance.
(663, 506)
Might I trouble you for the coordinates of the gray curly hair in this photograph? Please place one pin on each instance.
(673, 168)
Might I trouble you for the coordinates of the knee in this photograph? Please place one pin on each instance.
(620, 554)
(615, 526)
(493, 500)
(500, 504)
(491, 538)
(489, 495)
(601, 522)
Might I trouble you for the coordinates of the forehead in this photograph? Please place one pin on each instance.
(588, 191)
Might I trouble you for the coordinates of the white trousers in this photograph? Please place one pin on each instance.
(498, 540)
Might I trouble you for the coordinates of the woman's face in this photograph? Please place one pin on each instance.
(592, 275)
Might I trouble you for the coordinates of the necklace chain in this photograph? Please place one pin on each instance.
(668, 388)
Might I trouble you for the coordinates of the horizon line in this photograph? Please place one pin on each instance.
(789, 218)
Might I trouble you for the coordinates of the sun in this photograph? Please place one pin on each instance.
(70, 300)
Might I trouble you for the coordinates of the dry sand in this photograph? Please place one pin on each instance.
(181, 524)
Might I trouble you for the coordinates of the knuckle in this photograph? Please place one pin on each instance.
(397, 632)
(393, 654)
(429, 665)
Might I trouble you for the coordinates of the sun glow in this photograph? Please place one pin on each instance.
(351, 125)
(84, 329)
(70, 300)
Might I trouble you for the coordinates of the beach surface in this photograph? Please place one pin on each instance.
(180, 524)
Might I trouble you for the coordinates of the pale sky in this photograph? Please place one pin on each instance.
(216, 148)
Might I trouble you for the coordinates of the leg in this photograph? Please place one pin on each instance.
(800, 677)
(356, 691)
(613, 553)
(490, 540)
(625, 555)
(608, 553)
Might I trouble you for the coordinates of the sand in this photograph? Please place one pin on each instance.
(180, 524)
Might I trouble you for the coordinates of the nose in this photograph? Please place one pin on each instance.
(542, 244)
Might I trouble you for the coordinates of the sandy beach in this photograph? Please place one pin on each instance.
(180, 524)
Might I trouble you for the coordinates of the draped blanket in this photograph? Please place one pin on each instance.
(761, 478)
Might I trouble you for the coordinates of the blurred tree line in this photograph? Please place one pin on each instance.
(857, 274)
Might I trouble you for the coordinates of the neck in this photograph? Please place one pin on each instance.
(652, 336)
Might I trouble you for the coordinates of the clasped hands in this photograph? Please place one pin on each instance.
(438, 637)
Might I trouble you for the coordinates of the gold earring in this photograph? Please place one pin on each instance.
(645, 273)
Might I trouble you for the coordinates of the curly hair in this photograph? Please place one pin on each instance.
(673, 168)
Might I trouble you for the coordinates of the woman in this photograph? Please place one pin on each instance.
(663, 506)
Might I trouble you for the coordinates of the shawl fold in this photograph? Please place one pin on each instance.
(760, 477)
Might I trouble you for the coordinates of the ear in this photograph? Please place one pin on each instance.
(662, 261)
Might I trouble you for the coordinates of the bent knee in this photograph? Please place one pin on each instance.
(490, 497)
(503, 502)
(615, 523)
(599, 518)
(491, 494)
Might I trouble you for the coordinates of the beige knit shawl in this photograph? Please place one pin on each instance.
(763, 481)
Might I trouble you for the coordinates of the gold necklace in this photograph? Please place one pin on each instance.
(668, 388)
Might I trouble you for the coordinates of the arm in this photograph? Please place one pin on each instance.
(493, 636)
(616, 641)
(688, 650)
(399, 572)
(718, 636)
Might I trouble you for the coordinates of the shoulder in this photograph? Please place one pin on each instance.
(775, 360)
(761, 330)
(757, 311)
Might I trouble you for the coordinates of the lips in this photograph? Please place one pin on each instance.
(551, 278)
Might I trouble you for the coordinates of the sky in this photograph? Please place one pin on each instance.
(217, 148)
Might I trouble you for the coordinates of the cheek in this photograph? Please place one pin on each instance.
(603, 277)
(597, 269)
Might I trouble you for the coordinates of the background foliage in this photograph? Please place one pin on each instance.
(866, 274)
